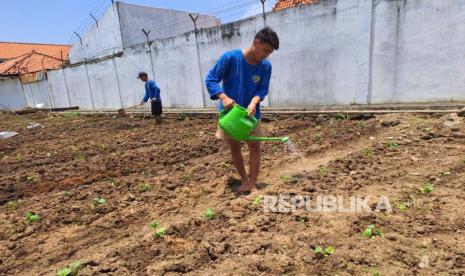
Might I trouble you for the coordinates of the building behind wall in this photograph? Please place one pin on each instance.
(23, 71)
(123, 25)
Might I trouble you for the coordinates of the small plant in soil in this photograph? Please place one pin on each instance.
(99, 201)
(209, 214)
(318, 137)
(285, 178)
(444, 173)
(392, 145)
(10, 205)
(427, 188)
(145, 187)
(402, 206)
(372, 231)
(160, 233)
(321, 253)
(18, 157)
(67, 194)
(324, 171)
(31, 217)
(30, 178)
(257, 200)
(72, 270)
(367, 152)
(154, 224)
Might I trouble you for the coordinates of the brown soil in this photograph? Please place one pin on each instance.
(174, 173)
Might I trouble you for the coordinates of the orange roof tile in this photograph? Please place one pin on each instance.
(29, 63)
(10, 50)
(284, 4)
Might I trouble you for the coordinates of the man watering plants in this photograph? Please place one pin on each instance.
(152, 92)
(246, 77)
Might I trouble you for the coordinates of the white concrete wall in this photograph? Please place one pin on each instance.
(105, 90)
(99, 41)
(177, 71)
(418, 51)
(11, 94)
(335, 52)
(78, 87)
(128, 66)
(161, 23)
(58, 89)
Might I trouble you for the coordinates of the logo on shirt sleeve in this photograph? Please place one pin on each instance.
(256, 79)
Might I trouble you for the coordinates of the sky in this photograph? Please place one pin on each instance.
(53, 21)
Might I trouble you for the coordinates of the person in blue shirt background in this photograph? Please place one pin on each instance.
(246, 78)
(152, 92)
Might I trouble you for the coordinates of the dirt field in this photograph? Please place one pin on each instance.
(97, 182)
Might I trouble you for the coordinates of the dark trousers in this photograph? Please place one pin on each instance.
(157, 110)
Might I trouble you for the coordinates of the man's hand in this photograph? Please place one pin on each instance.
(252, 108)
(227, 102)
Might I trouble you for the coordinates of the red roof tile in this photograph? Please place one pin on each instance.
(29, 63)
(284, 4)
(10, 50)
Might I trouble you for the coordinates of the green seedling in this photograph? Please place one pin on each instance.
(18, 157)
(257, 200)
(209, 214)
(67, 193)
(31, 217)
(427, 188)
(99, 201)
(445, 173)
(154, 224)
(392, 145)
(284, 178)
(367, 152)
(401, 206)
(81, 157)
(160, 233)
(30, 178)
(318, 136)
(371, 231)
(320, 252)
(72, 270)
(324, 171)
(10, 205)
(186, 178)
(301, 220)
(145, 187)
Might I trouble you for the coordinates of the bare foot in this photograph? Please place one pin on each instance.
(246, 187)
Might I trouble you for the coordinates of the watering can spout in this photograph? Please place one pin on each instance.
(279, 139)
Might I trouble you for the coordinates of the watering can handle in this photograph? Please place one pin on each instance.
(224, 111)
(252, 119)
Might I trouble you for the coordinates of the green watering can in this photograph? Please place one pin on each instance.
(238, 124)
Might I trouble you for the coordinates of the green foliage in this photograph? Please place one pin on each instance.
(257, 200)
(324, 171)
(209, 214)
(371, 231)
(31, 217)
(145, 187)
(72, 270)
(320, 252)
(427, 188)
(392, 145)
(367, 152)
(99, 201)
(160, 233)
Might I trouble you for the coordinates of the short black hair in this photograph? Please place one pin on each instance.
(142, 74)
(269, 36)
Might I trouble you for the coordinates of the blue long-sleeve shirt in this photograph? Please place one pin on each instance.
(241, 80)
(151, 91)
